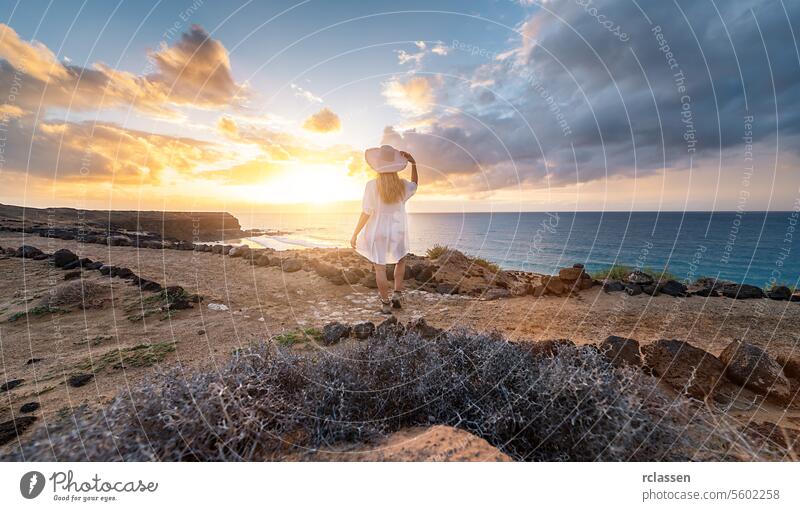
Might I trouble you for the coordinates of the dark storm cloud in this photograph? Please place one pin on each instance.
(577, 82)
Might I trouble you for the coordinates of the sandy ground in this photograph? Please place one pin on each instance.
(264, 301)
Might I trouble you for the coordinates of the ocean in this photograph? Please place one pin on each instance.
(753, 247)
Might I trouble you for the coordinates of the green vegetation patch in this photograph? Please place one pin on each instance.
(41, 310)
(297, 336)
(436, 250)
(486, 264)
(141, 355)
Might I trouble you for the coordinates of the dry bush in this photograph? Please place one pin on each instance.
(268, 400)
(84, 293)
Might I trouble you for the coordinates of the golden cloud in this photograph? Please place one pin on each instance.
(415, 96)
(10, 111)
(101, 152)
(195, 71)
(324, 121)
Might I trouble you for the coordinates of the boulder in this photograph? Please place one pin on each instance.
(424, 272)
(79, 380)
(684, 367)
(263, 260)
(650, 289)
(324, 269)
(122, 273)
(148, 285)
(216, 249)
(390, 328)
(10, 430)
(740, 291)
(613, 286)
(118, 241)
(334, 332)
(337, 279)
(27, 252)
(71, 265)
(41, 257)
(639, 277)
(621, 350)
(578, 265)
(672, 288)
(633, 289)
(105, 269)
(291, 265)
(421, 327)
(570, 273)
(363, 330)
(753, 368)
(779, 293)
(63, 257)
(240, 251)
(790, 362)
(702, 289)
(537, 289)
(554, 286)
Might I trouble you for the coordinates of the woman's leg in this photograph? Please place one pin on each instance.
(382, 281)
(399, 273)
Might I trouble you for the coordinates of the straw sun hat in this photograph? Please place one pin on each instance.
(385, 159)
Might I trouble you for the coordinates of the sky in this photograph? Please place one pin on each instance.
(553, 105)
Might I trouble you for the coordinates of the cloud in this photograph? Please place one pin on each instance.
(404, 57)
(11, 111)
(415, 96)
(194, 72)
(324, 121)
(302, 93)
(242, 174)
(572, 101)
(228, 127)
(98, 152)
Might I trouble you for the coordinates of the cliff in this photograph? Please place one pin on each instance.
(175, 225)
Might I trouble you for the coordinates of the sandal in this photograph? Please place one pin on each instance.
(386, 307)
(397, 299)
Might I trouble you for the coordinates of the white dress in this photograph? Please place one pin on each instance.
(384, 239)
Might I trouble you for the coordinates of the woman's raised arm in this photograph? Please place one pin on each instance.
(414, 176)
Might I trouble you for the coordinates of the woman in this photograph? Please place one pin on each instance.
(381, 234)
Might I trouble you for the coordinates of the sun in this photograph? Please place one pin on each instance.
(307, 183)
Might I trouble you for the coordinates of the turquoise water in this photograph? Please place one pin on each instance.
(753, 247)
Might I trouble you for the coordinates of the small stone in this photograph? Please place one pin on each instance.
(79, 380)
(29, 407)
(10, 384)
(33, 361)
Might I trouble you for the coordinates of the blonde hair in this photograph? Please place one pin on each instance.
(390, 188)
